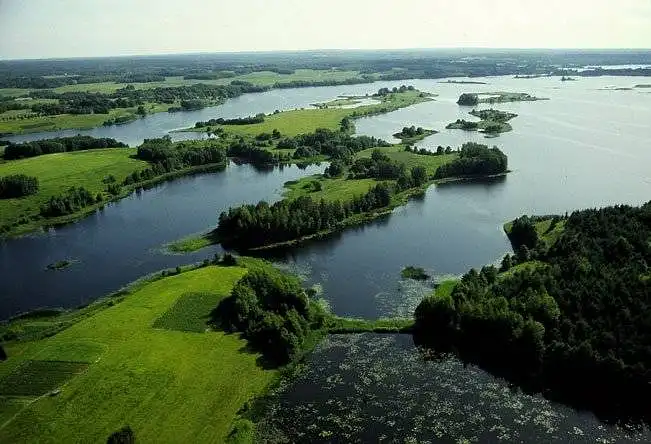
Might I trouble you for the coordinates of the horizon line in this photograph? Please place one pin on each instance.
(280, 51)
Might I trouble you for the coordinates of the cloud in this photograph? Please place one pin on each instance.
(64, 28)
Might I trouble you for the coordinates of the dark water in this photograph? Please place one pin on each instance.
(381, 388)
(123, 242)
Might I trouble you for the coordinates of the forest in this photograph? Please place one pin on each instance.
(58, 145)
(569, 316)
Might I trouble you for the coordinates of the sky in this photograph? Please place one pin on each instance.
(93, 28)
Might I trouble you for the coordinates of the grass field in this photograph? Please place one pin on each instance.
(61, 121)
(189, 313)
(58, 172)
(445, 288)
(291, 123)
(331, 189)
(168, 385)
(398, 153)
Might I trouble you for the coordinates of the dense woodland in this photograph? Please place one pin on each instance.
(273, 312)
(17, 185)
(571, 317)
(58, 145)
(251, 226)
(474, 160)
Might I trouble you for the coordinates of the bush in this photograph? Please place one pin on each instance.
(271, 309)
(123, 436)
(468, 99)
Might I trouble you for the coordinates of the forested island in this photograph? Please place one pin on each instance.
(491, 121)
(566, 314)
(472, 99)
(411, 134)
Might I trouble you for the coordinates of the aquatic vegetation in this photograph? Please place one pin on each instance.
(369, 388)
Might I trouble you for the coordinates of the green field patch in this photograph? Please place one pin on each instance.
(167, 385)
(189, 244)
(410, 159)
(191, 312)
(525, 266)
(444, 288)
(75, 351)
(331, 189)
(10, 407)
(36, 378)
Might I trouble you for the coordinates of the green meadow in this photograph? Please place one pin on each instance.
(58, 172)
(146, 360)
(301, 121)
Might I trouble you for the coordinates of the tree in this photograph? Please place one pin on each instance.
(123, 436)
(141, 110)
(468, 99)
(419, 175)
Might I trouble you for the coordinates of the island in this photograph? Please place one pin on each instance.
(411, 134)
(464, 82)
(492, 122)
(472, 99)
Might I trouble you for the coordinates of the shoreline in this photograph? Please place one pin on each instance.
(42, 225)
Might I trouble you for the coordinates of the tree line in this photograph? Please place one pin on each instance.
(467, 99)
(58, 145)
(250, 226)
(571, 318)
(250, 120)
(17, 185)
(191, 97)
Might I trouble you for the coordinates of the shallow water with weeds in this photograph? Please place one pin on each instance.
(382, 388)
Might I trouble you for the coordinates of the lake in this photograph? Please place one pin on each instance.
(589, 145)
